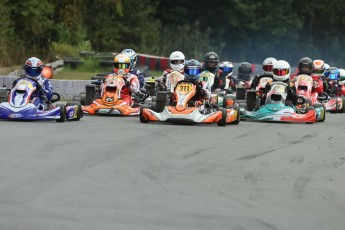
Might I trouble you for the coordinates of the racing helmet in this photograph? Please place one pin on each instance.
(177, 61)
(341, 80)
(121, 64)
(327, 70)
(267, 65)
(281, 70)
(211, 61)
(319, 66)
(192, 70)
(33, 67)
(132, 56)
(334, 74)
(244, 71)
(305, 66)
(226, 67)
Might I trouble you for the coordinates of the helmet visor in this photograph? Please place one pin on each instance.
(176, 62)
(318, 71)
(192, 71)
(280, 72)
(226, 69)
(121, 65)
(33, 71)
(267, 68)
(333, 76)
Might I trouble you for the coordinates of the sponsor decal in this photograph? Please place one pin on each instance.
(15, 115)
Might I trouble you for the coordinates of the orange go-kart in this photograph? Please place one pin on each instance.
(115, 99)
(181, 108)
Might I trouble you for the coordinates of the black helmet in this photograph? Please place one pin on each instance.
(244, 71)
(209, 59)
(305, 66)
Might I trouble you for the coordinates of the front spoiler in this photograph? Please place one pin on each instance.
(189, 115)
(287, 114)
(122, 110)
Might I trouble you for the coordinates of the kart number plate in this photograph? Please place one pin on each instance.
(184, 88)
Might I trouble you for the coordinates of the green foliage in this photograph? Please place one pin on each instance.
(238, 30)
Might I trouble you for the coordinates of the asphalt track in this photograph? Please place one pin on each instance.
(115, 173)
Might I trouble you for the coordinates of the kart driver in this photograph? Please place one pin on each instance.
(33, 69)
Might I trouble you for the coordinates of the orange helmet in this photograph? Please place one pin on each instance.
(47, 72)
(121, 64)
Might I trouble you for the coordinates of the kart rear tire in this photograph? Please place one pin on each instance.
(251, 99)
(222, 121)
(226, 99)
(79, 112)
(82, 99)
(90, 92)
(62, 113)
(141, 116)
(324, 111)
(238, 114)
(343, 109)
(161, 101)
(240, 93)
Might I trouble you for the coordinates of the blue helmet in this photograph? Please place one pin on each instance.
(192, 70)
(334, 73)
(226, 67)
(33, 67)
(132, 56)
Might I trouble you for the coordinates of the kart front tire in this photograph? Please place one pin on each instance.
(238, 114)
(222, 121)
(79, 112)
(141, 115)
(324, 111)
(62, 113)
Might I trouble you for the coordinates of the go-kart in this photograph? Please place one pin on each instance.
(304, 88)
(258, 95)
(114, 98)
(275, 109)
(335, 101)
(180, 108)
(21, 107)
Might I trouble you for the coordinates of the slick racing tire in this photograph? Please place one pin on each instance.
(222, 121)
(343, 109)
(251, 99)
(141, 116)
(323, 111)
(90, 92)
(238, 114)
(62, 113)
(79, 112)
(228, 101)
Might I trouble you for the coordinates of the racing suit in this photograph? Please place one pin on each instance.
(165, 78)
(257, 78)
(219, 79)
(139, 75)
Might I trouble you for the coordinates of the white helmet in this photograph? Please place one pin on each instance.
(177, 60)
(281, 70)
(267, 65)
(132, 55)
(226, 67)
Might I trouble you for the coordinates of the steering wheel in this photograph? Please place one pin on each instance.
(58, 97)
